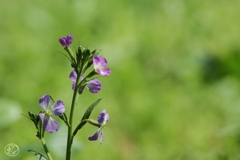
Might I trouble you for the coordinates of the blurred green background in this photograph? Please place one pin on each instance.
(174, 91)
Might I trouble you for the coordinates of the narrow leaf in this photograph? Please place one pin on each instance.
(39, 155)
(64, 118)
(26, 116)
(86, 116)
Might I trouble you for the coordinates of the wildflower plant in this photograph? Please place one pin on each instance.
(87, 67)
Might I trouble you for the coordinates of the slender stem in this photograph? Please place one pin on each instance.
(69, 140)
(70, 53)
(41, 132)
(75, 95)
(46, 149)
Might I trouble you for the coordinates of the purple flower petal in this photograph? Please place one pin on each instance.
(69, 39)
(94, 85)
(44, 101)
(103, 117)
(41, 115)
(49, 123)
(58, 108)
(73, 76)
(94, 137)
(99, 64)
(63, 42)
(101, 137)
(104, 72)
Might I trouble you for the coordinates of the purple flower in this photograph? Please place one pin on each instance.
(94, 86)
(99, 64)
(57, 109)
(66, 41)
(102, 120)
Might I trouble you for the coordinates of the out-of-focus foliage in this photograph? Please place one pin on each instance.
(174, 91)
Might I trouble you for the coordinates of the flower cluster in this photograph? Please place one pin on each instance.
(81, 62)
(87, 67)
(85, 58)
(94, 86)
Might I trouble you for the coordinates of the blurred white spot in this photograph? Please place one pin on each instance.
(10, 112)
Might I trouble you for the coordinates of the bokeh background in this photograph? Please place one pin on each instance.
(174, 91)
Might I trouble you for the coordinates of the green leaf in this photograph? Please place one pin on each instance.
(64, 118)
(39, 155)
(86, 116)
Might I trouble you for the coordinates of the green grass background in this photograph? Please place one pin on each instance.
(174, 91)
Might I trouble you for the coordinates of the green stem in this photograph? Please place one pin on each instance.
(41, 132)
(46, 149)
(70, 53)
(69, 140)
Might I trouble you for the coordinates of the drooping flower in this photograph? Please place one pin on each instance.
(99, 63)
(94, 86)
(73, 77)
(57, 109)
(66, 41)
(103, 118)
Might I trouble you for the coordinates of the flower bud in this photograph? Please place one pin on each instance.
(66, 41)
(93, 122)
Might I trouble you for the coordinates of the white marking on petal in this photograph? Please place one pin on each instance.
(44, 101)
(58, 108)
